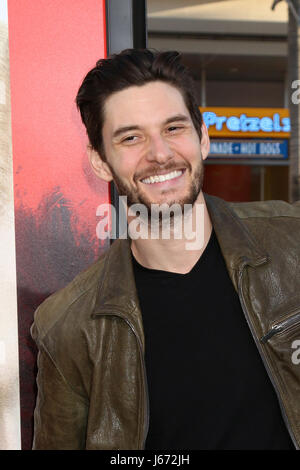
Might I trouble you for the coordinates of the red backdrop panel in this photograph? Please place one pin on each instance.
(230, 182)
(52, 46)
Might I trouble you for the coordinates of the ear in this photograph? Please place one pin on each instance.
(100, 168)
(205, 143)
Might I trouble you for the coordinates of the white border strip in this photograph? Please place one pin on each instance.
(10, 429)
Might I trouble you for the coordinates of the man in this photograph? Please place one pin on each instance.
(159, 346)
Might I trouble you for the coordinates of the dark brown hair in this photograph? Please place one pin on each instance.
(131, 67)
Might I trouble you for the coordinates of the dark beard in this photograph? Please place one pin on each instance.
(133, 197)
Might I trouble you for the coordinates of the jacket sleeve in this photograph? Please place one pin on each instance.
(60, 416)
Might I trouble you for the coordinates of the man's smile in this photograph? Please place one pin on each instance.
(163, 177)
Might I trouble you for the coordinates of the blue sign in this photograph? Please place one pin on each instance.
(249, 148)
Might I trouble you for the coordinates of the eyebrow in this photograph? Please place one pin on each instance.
(123, 129)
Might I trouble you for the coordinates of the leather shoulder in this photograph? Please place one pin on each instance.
(266, 209)
(81, 289)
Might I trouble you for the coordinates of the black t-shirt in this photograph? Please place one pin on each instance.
(208, 387)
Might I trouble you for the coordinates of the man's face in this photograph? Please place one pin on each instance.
(151, 146)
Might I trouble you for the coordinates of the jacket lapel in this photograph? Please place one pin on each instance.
(237, 244)
(117, 293)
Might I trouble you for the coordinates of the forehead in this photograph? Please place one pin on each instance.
(144, 105)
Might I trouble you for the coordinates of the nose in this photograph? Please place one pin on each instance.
(159, 150)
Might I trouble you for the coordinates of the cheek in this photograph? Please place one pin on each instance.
(189, 149)
(127, 169)
(130, 162)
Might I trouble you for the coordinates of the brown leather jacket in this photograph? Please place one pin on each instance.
(92, 385)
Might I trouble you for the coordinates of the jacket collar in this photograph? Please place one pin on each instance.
(238, 245)
(117, 291)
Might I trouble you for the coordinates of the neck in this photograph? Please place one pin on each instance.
(177, 254)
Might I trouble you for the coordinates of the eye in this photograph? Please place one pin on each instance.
(174, 128)
(130, 138)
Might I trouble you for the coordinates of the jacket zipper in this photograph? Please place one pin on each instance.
(284, 325)
(146, 392)
(243, 304)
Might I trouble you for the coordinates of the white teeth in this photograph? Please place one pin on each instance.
(161, 178)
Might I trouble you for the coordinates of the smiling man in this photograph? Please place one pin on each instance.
(157, 346)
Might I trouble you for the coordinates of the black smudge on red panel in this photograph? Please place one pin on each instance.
(51, 249)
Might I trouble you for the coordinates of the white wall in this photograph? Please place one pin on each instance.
(9, 363)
